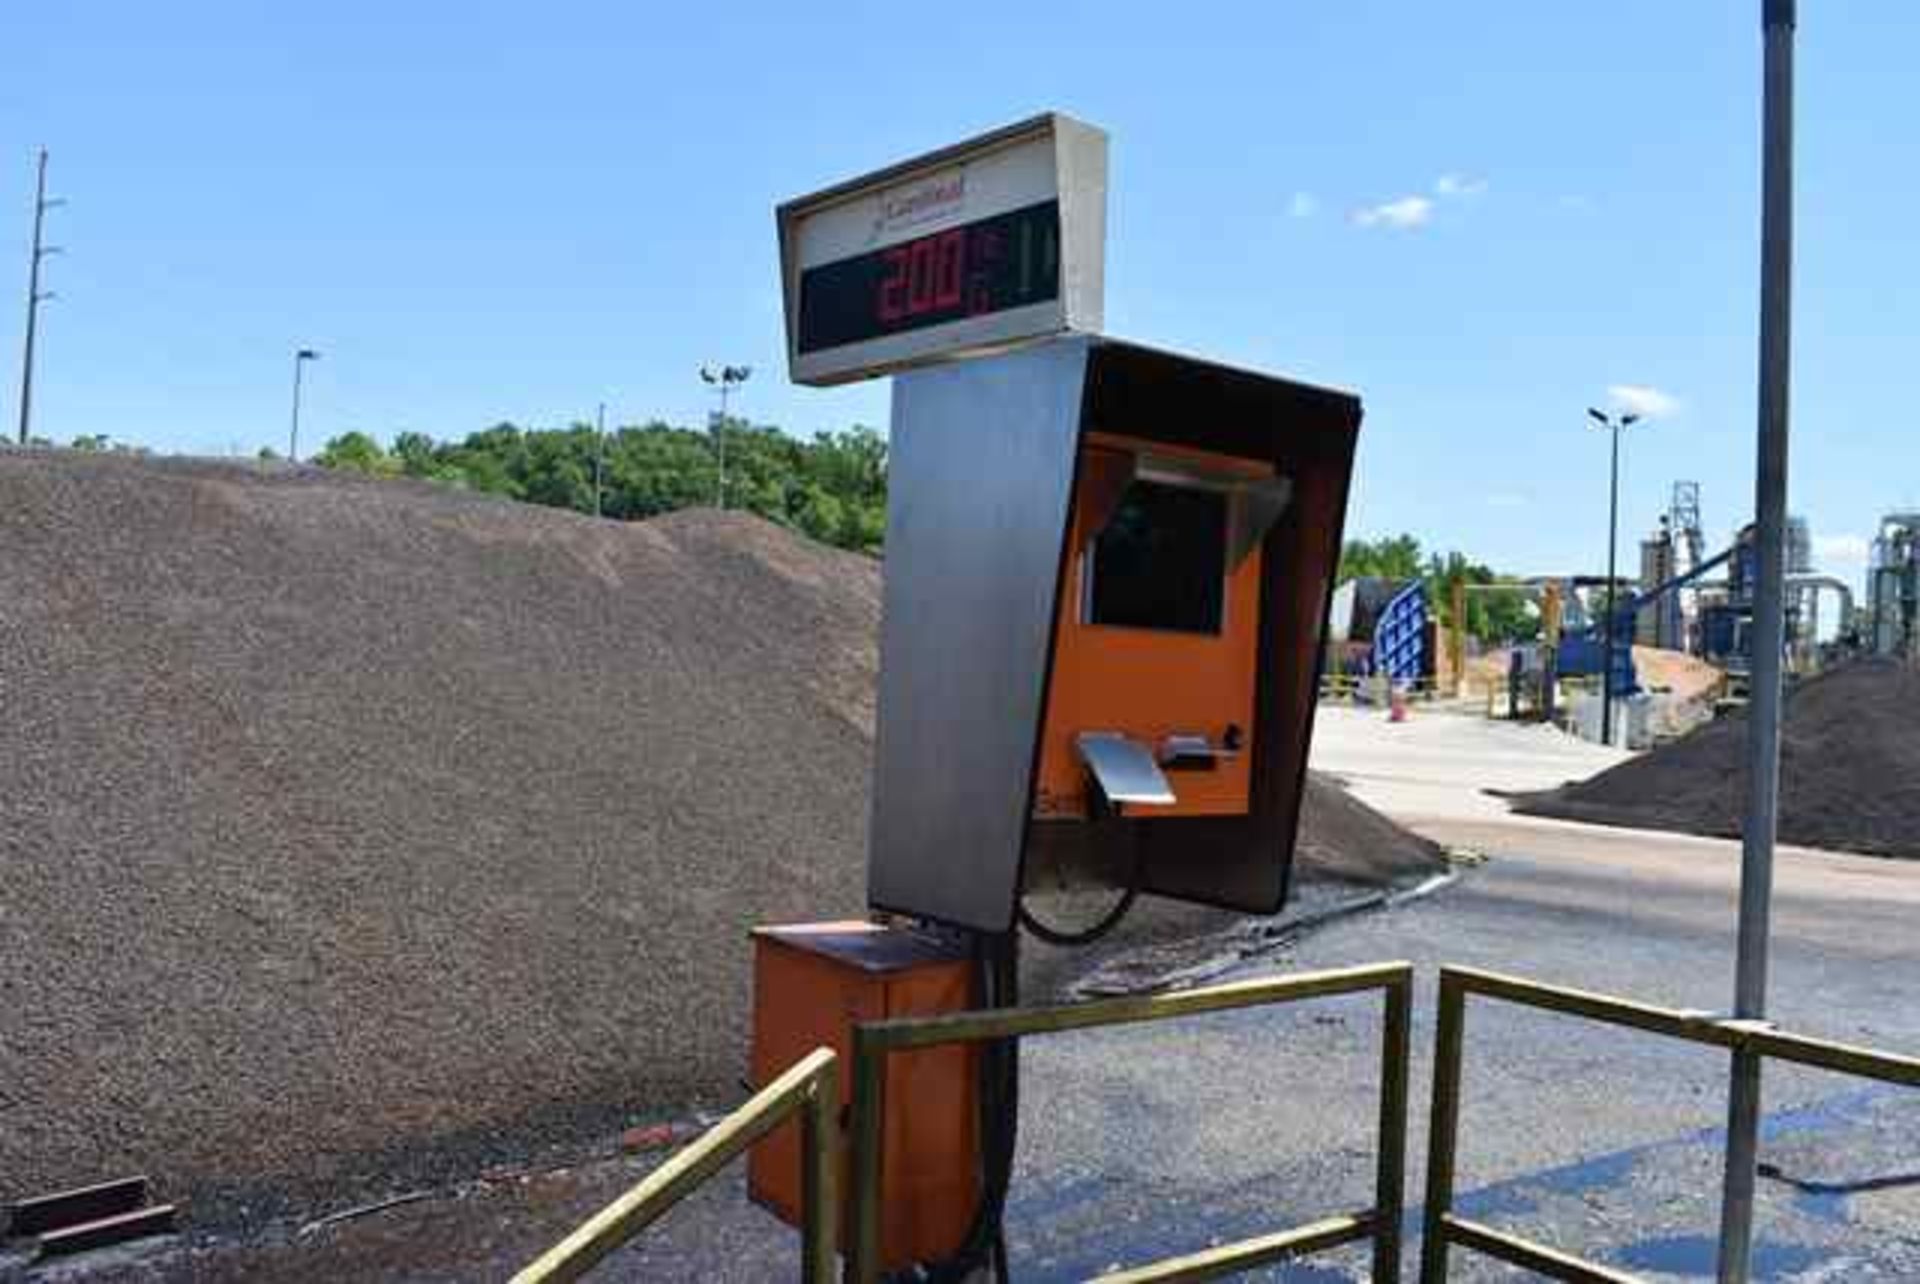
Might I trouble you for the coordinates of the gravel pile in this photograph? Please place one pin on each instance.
(354, 833)
(1849, 770)
(1342, 840)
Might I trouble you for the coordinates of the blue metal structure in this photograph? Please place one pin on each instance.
(1400, 635)
(1585, 655)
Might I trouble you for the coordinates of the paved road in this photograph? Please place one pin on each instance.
(1146, 1141)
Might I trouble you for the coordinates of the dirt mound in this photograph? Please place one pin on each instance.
(1850, 770)
(1686, 677)
(341, 815)
(1677, 672)
(1341, 839)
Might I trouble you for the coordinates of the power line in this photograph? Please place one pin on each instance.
(35, 296)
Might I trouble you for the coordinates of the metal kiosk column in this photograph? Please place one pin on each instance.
(1108, 570)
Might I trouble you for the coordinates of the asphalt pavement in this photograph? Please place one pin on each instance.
(1145, 1141)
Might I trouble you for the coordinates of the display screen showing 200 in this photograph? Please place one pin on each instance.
(1007, 261)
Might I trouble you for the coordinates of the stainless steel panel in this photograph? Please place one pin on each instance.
(1125, 768)
(1082, 150)
(981, 480)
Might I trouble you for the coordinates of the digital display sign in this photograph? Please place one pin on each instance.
(1010, 260)
(971, 249)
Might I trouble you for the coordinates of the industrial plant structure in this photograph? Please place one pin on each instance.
(1893, 587)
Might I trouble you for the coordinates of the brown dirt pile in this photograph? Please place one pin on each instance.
(1685, 676)
(1660, 670)
(355, 831)
(1850, 770)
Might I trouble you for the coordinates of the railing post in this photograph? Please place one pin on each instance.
(820, 1133)
(1444, 1131)
(869, 1112)
(1390, 1193)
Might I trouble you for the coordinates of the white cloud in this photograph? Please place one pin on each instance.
(1408, 211)
(1452, 185)
(1848, 549)
(1647, 402)
(1303, 205)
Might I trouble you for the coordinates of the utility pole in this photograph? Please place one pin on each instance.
(1614, 425)
(1761, 823)
(35, 296)
(300, 359)
(723, 382)
(599, 454)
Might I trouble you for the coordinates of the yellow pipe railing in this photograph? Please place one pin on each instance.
(810, 1089)
(874, 1041)
(1444, 1229)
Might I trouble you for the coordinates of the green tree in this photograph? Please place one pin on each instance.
(1397, 558)
(833, 488)
(356, 452)
(1496, 618)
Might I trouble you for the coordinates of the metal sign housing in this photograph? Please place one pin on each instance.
(972, 248)
(990, 477)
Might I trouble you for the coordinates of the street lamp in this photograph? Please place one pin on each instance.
(599, 456)
(1613, 424)
(723, 381)
(300, 359)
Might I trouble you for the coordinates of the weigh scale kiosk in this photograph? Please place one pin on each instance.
(1107, 574)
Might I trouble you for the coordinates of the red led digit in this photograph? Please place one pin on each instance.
(892, 301)
(920, 277)
(951, 278)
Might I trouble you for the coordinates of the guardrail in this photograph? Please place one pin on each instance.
(810, 1089)
(1378, 689)
(874, 1041)
(1443, 1229)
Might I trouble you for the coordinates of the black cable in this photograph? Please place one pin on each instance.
(999, 1117)
(1103, 816)
(1086, 936)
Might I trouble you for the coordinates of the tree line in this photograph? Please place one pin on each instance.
(833, 488)
(1496, 618)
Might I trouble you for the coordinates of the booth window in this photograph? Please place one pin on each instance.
(1161, 561)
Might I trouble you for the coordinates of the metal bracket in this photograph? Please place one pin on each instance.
(1125, 768)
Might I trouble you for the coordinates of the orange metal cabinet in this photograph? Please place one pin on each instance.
(812, 982)
(1149, 683)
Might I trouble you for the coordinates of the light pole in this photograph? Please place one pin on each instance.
(300, 359)
(599, 453)
(1760, 826)
(723, 383)
(1614, 425)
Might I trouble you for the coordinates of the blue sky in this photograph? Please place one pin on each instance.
(1482, 216)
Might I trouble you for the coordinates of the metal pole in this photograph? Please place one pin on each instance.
(33, 298)
(720, 438)
(293, 432)
(599, 453)
(1613, 540)
(1769, 638)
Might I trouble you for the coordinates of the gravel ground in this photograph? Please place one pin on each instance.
(343, 815)
(1849, 770)
(358, 835)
